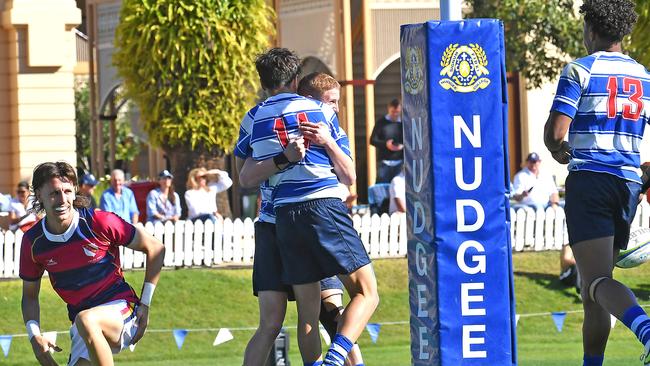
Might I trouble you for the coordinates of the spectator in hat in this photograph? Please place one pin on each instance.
(163, 203)
(201, 194)
(87, 188)
(532, 187)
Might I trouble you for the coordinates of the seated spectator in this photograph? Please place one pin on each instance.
(119, 199)
(20, 215)
(533, 188)
(397, 194)
(87, 188)
(201, 196)
(163, 203)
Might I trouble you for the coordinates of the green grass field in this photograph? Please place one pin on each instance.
(215, 298)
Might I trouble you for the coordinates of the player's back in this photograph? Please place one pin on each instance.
(605, 94)
(276, 124)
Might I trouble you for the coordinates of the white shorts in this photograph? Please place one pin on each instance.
(122, 309)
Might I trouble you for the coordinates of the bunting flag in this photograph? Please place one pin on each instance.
(558, 319)
(517, 316)
(5, 343)
(324, 335)
(223, 336)
(613, 319)
(373, 330)
(50, 336)
(179, 337)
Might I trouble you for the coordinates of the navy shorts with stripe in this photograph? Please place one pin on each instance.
(267, 263)
(600, 205)
(317, 240)
(331, 283)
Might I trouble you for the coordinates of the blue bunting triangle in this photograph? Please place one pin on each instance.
(5, 343)
(373, 330)
(558, 319)
(179, 337)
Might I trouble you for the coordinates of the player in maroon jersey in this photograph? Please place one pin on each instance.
(79, 248)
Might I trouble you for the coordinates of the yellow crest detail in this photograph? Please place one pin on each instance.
(463, 68)
(413, 76)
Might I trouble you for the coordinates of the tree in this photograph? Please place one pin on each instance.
(127, 144)
(541, 36)
(639, 42)
(189, 66)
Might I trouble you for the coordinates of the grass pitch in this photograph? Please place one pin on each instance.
(212, 299)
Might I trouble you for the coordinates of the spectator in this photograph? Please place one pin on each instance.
(387, 138)
(87, 188)
(533, 188)
(163, 203)
(398, 194)
(20, 215)
(119, 199)
(201, 196)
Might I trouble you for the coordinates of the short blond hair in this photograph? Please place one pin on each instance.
(316, 84)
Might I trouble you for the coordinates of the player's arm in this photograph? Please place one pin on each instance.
(319, 133)
(254, 172)
(555, 129)
(31, 316)
(144, 242)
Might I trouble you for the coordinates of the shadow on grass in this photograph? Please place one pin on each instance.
(642, 292)
(551, 282)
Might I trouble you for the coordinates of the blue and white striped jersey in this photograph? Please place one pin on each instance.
(604, 94)
(243, 150)
(275, 125)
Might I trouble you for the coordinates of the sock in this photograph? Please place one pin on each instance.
(316, 363)
(359, 364)
(637, 320)
(593, 360)
(338, 351)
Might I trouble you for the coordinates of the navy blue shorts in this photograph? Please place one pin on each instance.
(600, 205)
(331, 283)
(267, 264)
(317, 240)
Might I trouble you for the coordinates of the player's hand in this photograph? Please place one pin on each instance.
(318, 133)
(562, 155)
(142, 320)
(41, 347)
(295, 151)
(392, 146)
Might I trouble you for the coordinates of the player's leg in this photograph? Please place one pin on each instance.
(272, 294)
(331, 311)
(308, 306)
(272, 307)
(101, 328)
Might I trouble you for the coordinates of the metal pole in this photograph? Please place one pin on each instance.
(451, 10)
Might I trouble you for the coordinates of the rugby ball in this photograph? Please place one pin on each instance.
(638, 249)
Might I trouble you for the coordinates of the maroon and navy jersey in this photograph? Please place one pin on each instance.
(83, 263)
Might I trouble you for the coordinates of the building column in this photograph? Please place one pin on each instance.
(40, 38)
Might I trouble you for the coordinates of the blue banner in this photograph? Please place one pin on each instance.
(455, 137)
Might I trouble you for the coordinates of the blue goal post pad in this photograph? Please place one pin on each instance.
(454, 94)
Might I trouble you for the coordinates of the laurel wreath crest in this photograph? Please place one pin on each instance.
(446, 56)
(480, 54)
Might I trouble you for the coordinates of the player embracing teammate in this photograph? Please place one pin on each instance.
(601, 101)
(296, 143)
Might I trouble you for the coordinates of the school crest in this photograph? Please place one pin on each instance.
(413, 76)
(464, 68)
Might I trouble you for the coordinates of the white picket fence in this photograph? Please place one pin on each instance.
(233, 243)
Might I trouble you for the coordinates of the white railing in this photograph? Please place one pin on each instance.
(233, 242)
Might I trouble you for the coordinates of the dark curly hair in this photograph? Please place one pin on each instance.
(277, 67)
(610, 19)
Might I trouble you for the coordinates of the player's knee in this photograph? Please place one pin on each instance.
(593, 286)
(87, 323)
(270, 326)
